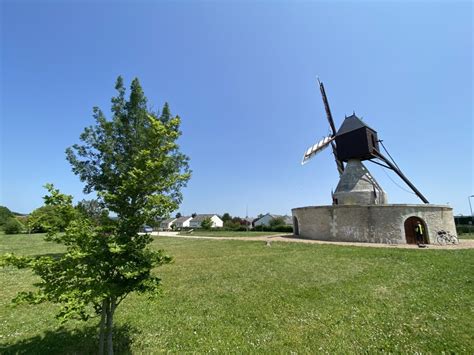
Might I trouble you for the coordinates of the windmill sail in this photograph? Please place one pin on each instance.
(318, 147)
(340, 166)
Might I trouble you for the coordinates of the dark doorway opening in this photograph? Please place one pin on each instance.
(296, 228)
(410, 225)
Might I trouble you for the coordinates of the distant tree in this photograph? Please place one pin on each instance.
(50, 218)
(278, 221)
(194, 214)
(237, 220)
(25, 221)
(13, 226)
(206, 223)
(231, 225)
(5, 215)
(94, 210)
(226, 217)
(134, 165)
(178, 215)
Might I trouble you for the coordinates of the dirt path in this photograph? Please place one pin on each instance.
(463, 243)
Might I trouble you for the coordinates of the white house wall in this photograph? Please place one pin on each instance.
(183, 224)
(217, 222)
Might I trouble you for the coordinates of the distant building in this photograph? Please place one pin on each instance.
(249, 222)
(182, 222)
(197, 220)
(167, 223)
(266, 219)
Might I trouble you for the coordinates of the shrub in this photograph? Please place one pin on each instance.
(43, 219)
(12, 226)
(464, 228)
(278, 221)
(206, 223)
(278, 228)
(282, 228)
(232, 226)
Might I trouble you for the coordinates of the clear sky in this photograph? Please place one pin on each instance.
(242, 75)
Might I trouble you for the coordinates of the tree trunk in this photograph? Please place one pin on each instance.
(110, 323)
(102, 327)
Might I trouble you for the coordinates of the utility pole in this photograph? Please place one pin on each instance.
(470, 207)
(247, 217)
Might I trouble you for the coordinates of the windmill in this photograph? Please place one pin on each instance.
(353, 143)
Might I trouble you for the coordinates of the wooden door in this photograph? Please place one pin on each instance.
(410, 225)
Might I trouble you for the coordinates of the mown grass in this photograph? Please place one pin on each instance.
(466, 236)
(243, 296)
(220, 233)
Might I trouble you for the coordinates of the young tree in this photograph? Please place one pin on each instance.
(134, 165)
(206, 223)
(277, 221)
(226, 217)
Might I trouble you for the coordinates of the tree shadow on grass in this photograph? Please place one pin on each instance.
(64, 341)
(51, 255)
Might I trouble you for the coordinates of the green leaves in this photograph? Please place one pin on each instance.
(132, 158)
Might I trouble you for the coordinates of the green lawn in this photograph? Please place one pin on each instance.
(218, 233)
(466, 236)
(237, 296)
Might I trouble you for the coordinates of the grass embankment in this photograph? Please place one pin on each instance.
(220, 233)
(238, 296)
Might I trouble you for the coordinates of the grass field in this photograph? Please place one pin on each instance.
(466, 236)
(243, 296)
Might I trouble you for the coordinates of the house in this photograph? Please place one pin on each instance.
(266, 219)
(249, 222)
(182, 222)
(197, 220)
(167, 223)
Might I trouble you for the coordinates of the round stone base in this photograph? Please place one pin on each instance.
(390, 224)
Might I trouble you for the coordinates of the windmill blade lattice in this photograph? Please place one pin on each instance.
(316, 148)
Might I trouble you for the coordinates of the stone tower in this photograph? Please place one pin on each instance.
(357, 187)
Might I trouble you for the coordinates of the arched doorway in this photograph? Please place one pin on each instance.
(410, 225)
(296, 228)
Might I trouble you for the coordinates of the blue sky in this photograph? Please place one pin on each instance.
(242, 75)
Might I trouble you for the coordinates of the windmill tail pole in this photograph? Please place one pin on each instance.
(403, 177)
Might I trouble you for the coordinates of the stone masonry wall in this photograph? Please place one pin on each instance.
(370, 223)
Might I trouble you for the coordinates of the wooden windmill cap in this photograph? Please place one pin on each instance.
(352, 123)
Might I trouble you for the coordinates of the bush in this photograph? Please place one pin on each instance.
(49, 217)
(12, 226)
(464, 228)
(278, 228)
(278, 221)
(232, 226)
(282, 228)
(206, 223)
